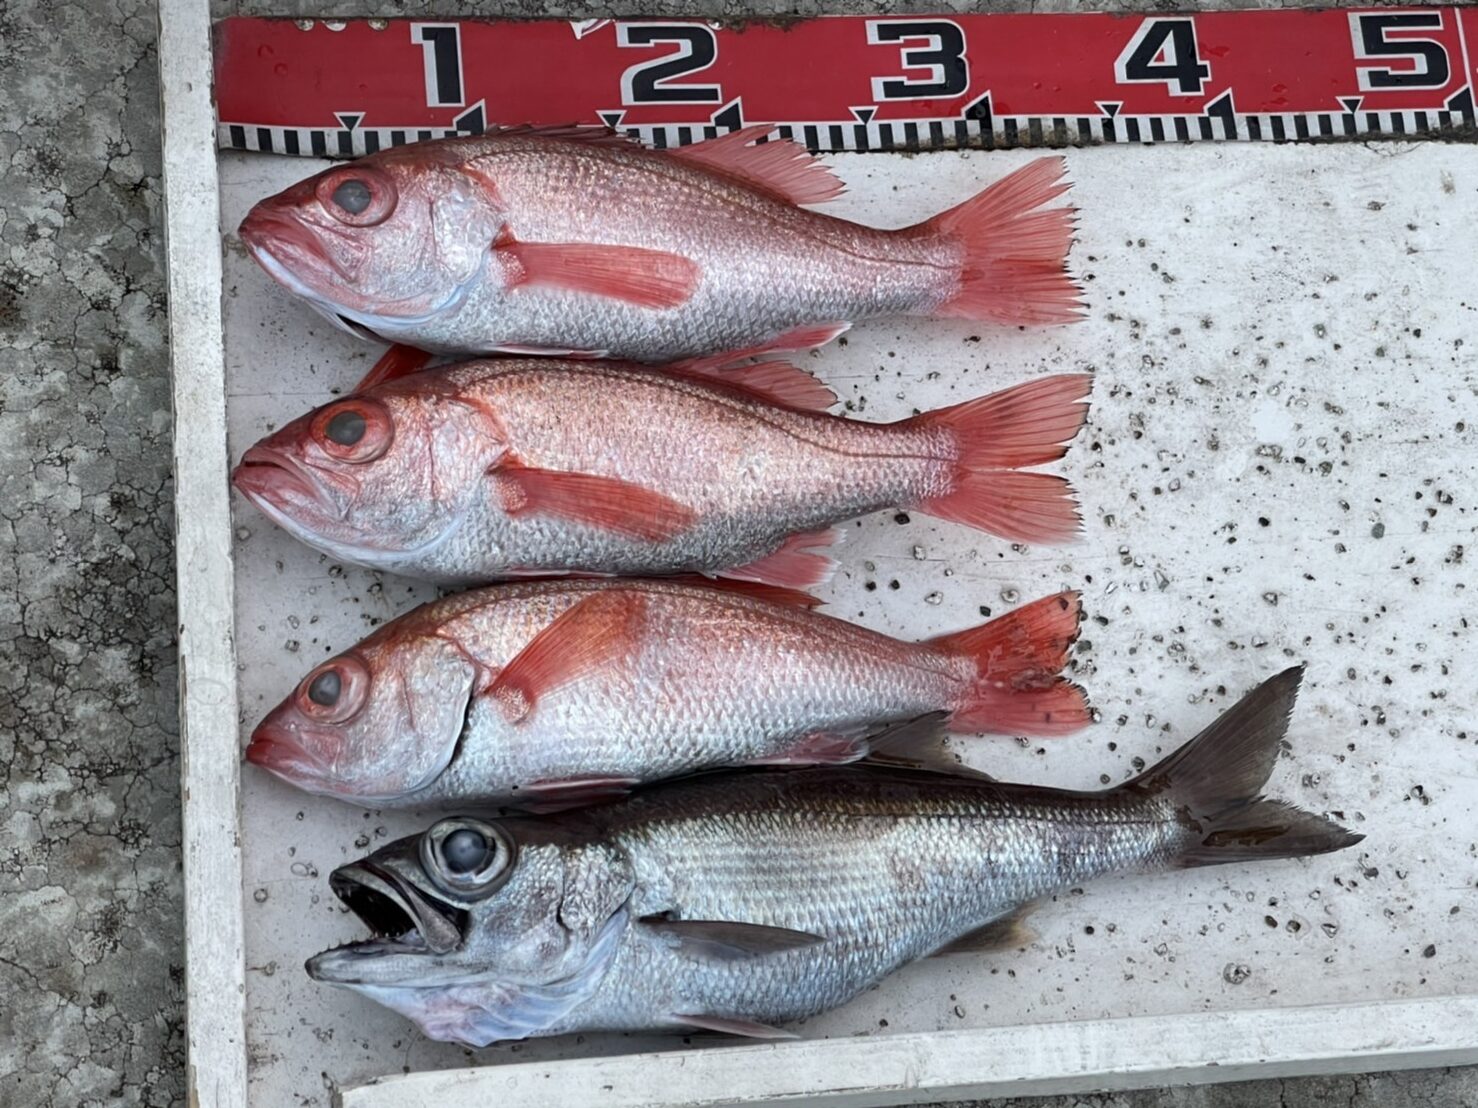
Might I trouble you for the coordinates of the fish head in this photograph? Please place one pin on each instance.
(376, 477)
(379, 246)
(375, 723)
(483, 931)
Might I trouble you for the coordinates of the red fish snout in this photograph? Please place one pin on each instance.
(277, 750)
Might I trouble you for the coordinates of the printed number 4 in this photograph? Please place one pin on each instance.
(1163, 51)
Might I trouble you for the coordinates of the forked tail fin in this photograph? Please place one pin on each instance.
(1015, 252)
(1217, 778)
(1019, 688)
(993, 437)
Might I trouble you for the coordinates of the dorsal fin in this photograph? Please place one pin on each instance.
(773, 382)
(780, 168)
(774, 594)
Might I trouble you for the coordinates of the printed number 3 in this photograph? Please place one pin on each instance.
(941, 51)
(1164, 51)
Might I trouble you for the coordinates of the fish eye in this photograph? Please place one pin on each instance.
(346, 428)
(324, 689)
(464, 850)
(357, 430)
(467, 857)
(335, 691)
(359, 196)
(353, 196)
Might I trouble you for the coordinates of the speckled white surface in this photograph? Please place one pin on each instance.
(1280, 465)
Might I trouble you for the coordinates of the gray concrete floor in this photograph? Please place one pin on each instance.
(90, 931)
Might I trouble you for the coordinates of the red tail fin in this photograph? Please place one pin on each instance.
(1015, 267)
(1019, 689)
(993, 435)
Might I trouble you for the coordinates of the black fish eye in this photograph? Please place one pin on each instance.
(325, 688)
(464, 850)
(346, 428)
(353, 195)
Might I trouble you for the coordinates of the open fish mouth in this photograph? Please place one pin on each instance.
(401, 918)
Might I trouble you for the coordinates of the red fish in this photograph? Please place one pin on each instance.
(580, 242)
(472, 472)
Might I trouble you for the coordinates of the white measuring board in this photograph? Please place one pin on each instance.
(1280, 466)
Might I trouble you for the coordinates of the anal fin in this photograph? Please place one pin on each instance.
(734, 1025)
(797, 564)
(1010, 932)
(556, 795)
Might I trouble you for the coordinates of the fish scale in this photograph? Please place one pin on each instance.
(756, 670)
(734, 902)
(574, 241)
(751, 472)
(887, 872)
(679, 677)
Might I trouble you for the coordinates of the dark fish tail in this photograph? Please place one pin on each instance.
(1215, 782)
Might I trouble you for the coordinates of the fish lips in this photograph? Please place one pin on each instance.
(280, 485)
(409, 927)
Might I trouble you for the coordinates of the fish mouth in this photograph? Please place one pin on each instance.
(288, 243)
(401, 918)
(269, 476)
(278, 752)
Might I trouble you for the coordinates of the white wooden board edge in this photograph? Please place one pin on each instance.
(1031, 1060)
(215, 994)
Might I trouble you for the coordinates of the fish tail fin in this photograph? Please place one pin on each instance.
(993, 437)
(1217, 779)
(1018, 688)
(1015, 253)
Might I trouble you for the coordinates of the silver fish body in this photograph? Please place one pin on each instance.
(671, 678)
(735, 903)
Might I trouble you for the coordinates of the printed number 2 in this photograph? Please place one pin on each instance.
(1164, 51)
(1427, 58)
(649, 82)
(940, 50)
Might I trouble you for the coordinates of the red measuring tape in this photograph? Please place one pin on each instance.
(341, 88)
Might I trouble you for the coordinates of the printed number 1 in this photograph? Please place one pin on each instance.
(1163, 51)
(441, 49)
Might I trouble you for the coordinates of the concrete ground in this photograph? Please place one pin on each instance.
(90, 930)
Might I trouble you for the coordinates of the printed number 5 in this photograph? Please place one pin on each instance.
(1427, 58)
(1164, 51)
(940, 49)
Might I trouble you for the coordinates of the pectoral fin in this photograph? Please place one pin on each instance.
(606, 502)
(646, 278)
(727, 940)
(598, 631)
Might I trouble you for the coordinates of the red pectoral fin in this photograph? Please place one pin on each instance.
(607, 502)
(646, 278)
(599, 631)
